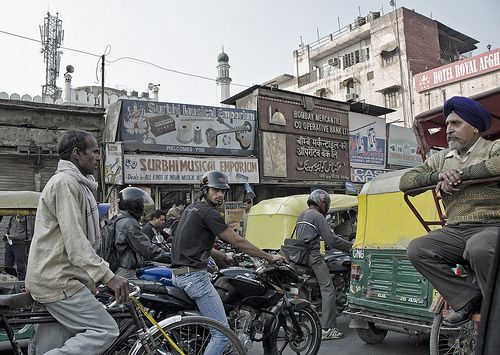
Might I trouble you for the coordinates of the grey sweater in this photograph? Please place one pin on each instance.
(312, 225)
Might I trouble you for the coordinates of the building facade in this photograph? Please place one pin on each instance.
(477, 77)
(29, 134)
(373, 60)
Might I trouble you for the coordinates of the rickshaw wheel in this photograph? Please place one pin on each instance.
(372, 335)
(461, 340)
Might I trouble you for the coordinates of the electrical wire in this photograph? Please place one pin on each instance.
(126, 58)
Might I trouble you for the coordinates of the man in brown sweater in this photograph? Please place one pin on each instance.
(473, 226)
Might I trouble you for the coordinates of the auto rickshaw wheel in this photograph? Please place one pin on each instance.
(461, 340)
(372, 335)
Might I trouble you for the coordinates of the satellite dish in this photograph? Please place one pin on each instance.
(70, 69)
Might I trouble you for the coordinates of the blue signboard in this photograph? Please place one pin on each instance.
(186, 129)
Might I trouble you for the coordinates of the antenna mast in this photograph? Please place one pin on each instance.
(52, 36)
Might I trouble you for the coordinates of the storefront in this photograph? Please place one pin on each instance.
(303, 141)
(167, 147)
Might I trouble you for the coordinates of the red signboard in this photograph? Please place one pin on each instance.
(456, 71)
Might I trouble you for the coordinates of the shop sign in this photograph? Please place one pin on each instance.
(402, 147)
(187, 129)
(360, 176)
(152, 169)
(303, 144)
(463, 69)
(367, 140)
(290, 117)
(304, 157)
(113, 168)
(233, 214)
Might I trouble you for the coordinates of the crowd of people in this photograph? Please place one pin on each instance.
(63, 266)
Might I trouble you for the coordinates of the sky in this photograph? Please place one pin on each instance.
(259, 37)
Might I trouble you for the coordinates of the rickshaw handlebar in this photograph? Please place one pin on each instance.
(419, 190)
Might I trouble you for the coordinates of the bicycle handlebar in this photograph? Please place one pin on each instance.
(134, 292)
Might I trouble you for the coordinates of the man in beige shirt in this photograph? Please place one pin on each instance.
(63, 266)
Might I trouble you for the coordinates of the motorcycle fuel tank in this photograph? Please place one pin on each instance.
(237, 286)
(158, 274)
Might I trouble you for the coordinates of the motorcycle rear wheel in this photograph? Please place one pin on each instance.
(286, 336)
(191, 334)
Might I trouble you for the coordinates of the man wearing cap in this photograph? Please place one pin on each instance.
(473, 225)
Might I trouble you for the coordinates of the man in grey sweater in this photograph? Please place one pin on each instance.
(311, 226)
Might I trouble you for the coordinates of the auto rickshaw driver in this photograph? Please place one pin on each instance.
(473, 224)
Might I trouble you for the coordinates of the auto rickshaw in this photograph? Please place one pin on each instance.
(387, 293)
(271, 221)
(16, 203)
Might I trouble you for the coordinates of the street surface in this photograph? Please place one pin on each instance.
(393, 344)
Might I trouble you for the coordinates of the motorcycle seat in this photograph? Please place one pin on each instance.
(178, 293)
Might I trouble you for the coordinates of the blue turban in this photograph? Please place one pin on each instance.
(470, 111)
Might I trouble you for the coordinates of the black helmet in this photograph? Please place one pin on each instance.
(320, 198)
(135, 201)
(214, 179)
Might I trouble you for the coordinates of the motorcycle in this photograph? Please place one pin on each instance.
(339, 264)
(257, 306)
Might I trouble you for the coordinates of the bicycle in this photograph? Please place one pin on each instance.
(176, 335)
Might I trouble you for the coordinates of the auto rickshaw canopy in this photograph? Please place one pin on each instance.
(18, 203)
(273, 220)
(384, 219)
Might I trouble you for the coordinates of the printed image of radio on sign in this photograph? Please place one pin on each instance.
(182, 128)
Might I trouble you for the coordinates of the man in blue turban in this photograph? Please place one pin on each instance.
(470, 111)
(473, 225)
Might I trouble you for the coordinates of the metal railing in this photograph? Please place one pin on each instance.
(307, 78)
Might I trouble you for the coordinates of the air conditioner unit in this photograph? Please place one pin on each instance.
(351, 97)
(333, 62)
(360, 21)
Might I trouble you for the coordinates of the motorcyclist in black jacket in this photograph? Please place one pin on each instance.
(133, 246)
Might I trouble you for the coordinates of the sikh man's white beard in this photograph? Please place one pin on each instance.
(455, 144)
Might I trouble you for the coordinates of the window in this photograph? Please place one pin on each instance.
(369, 75)
(351, 58)
(389, 57)
(392, 99)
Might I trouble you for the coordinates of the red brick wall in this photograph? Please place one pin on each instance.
(422, 41)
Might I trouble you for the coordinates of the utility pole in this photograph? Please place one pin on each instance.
(52, 36)
(103, 57)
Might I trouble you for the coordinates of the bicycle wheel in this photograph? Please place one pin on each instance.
(444, 341)
(191, 334)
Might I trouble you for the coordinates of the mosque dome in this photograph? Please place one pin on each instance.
(223, 57)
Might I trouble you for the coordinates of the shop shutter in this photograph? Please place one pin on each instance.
(16, 173)
(49, 168)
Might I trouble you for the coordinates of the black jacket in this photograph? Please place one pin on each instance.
(134, 247)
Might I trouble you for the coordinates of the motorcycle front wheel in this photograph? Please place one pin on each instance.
(287, 336)
(190, 334)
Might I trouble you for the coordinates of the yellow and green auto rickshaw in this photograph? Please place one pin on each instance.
(271, 221)
(386, 292)
(16, 203)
